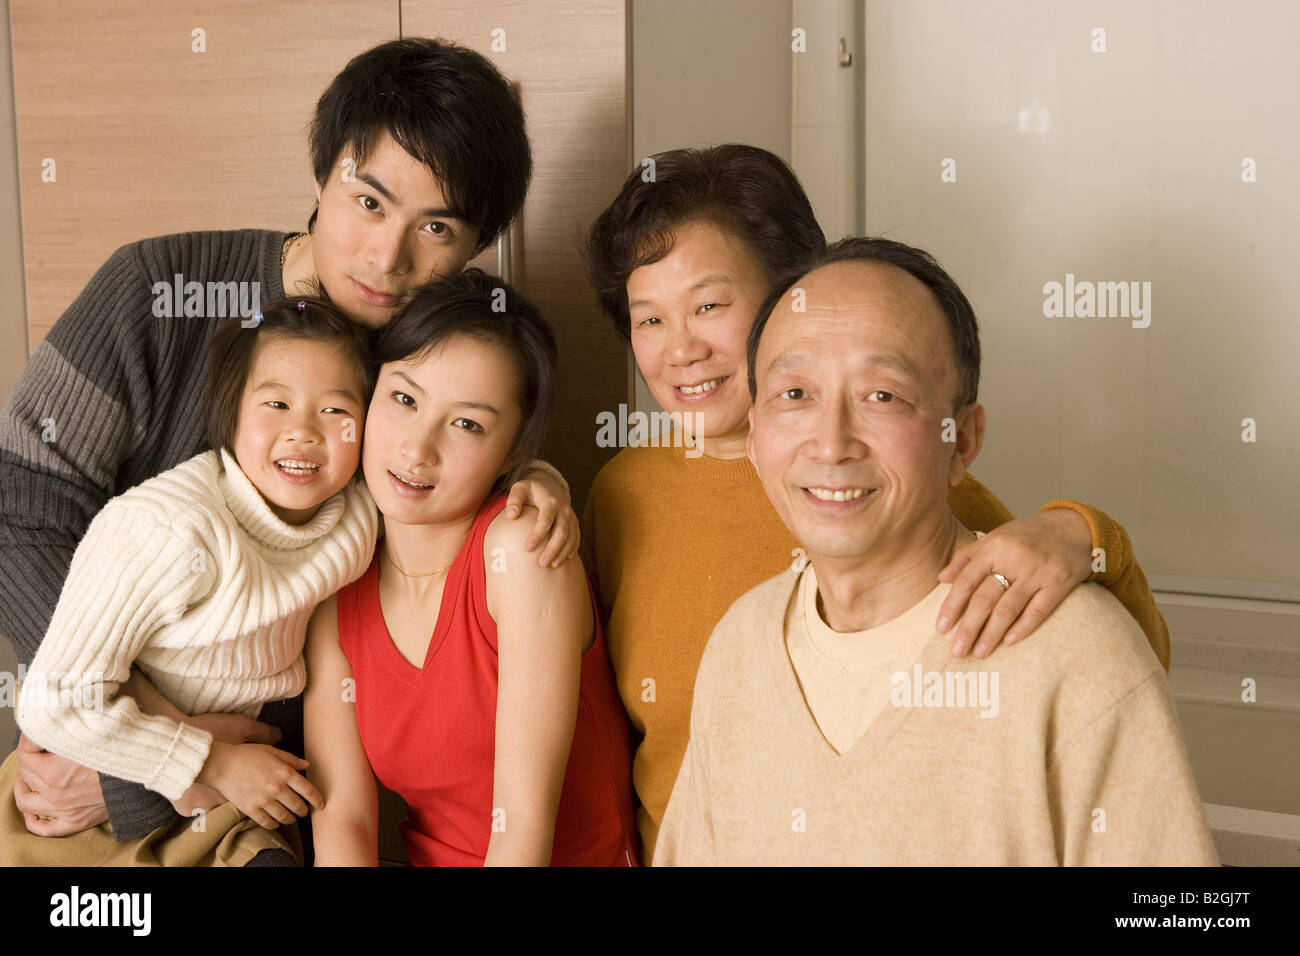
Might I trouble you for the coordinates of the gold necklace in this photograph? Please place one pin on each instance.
(288, 244)
(422, 574)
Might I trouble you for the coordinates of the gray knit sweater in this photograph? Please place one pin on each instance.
(111, 398)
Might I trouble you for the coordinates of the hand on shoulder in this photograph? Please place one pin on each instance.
(517, 583)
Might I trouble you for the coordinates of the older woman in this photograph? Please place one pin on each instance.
(681, 263)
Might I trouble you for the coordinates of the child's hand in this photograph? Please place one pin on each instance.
(236, 728)
(231, 729)
(261, 781)
(196, 798)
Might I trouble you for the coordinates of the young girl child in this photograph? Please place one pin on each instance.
(469, 680)
(203, 579)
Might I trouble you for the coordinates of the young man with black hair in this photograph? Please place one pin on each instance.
(421, 160)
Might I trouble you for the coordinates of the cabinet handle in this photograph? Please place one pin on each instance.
(506, 241)
(505, 244)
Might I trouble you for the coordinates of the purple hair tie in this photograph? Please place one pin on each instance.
(302, 306)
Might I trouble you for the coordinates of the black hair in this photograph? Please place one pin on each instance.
(962, 325)
(744, 191)
(485, 308)
(449, 108)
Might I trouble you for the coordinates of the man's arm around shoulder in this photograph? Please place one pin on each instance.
(75, 415)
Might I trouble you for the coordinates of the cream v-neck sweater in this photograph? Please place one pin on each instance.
(194, 579)
(846, 678)
(1081, 761)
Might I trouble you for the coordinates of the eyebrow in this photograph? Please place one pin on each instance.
(437, 212)
(345, 392)
(479, 405)
(892, 360)
(718, 279)
(410, 381)
(483, 406)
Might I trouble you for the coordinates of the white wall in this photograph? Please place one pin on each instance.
(829, 114)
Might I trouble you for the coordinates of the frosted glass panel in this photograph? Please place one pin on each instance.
(1028, 143)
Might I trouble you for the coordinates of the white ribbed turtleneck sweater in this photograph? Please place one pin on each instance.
(194, 579)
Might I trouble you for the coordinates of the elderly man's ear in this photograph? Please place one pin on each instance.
(969, 439)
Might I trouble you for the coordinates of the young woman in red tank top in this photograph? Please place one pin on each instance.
(460, 674)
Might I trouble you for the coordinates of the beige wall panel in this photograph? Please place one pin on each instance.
(569, 59)
(707, 72)
(150, 137)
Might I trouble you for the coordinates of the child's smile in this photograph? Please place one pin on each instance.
(300, 425)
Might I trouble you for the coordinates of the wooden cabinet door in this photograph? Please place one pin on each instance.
(153, 128)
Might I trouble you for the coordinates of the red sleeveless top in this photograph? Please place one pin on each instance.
(430, 733)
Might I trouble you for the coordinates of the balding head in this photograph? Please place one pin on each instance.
(946, 296)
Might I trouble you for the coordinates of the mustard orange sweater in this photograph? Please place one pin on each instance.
(671, 542)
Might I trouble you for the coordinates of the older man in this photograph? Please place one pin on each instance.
(829, 723)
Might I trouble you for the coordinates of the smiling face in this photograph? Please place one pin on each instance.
(848, 422)
(440, 431)
(691, 313)
(300, 418)
(385, 231)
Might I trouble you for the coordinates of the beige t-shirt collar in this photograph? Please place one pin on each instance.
(873, 645)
